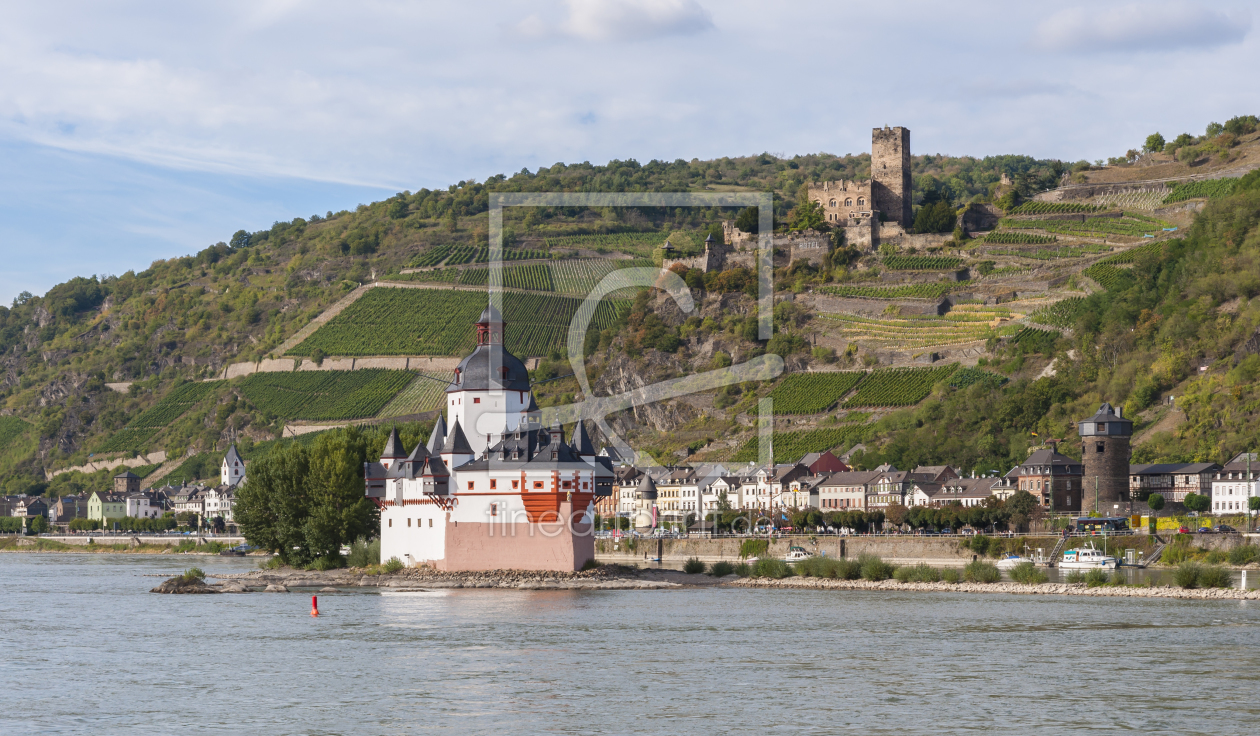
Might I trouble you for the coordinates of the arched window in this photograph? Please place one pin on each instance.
(848, 202)
(861, 201)
(833, 203)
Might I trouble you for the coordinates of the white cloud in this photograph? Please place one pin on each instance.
(1141, 27)
(622, 20)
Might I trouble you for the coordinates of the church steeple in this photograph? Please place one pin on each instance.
(490, 326)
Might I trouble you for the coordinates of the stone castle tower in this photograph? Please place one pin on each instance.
(1105, 451)
(890, 174)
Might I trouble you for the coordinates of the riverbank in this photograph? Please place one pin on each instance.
(38, 544)
(610, 577)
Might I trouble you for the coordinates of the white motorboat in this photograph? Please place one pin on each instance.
(797, 554)
(1087, 558)
(1010, 561)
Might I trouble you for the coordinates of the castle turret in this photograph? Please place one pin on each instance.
(1105, 452)
(645, 503)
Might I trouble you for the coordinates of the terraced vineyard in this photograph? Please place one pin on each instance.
(642, 243)
(324, 395)
(1048, 254)
(811, 393)
(921, 263)
(915, 291)
(1207, 189)
(455, 255)
(387, 321)
(791, 446)
(1107, 272)
(1060, 314)
(136, 435)
(969, 376)
(898, 386)
(1131, 225)
(1130, 200)
(1051, 208)
(1035, 339)
(917, 331)
(425, 393)
(1004, 237)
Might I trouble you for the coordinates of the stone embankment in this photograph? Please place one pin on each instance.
(1104, 591)
(608, 577)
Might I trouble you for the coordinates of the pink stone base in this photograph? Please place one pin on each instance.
(517, 546)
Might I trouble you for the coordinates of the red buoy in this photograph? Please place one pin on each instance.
(314, 606)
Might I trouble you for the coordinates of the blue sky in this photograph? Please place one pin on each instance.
(141, 130)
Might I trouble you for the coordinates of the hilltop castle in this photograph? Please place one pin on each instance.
(497, 490)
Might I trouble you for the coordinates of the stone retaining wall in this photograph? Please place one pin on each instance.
(153, 458)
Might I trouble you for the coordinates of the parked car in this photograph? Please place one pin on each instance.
(1205, 530)
(1226, 529)
(1183, 530)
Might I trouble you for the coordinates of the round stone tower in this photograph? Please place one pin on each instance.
(1105, 451)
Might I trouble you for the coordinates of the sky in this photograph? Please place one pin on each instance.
(137, 130)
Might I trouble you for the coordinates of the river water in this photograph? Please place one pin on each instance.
(89, 650)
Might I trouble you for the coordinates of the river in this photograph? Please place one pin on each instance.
(89, 650)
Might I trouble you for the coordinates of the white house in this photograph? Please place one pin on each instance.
(1233, 484)
(140, 505)
(219, 502)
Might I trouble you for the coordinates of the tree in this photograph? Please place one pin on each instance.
(1156, 502)
(807, 215)
(240, 239)
(1198, 503)
(1253, 503)
(1154, 143)
(1021, 504)
(38, 525)
(896, 514)
(938, 217)
(308, 499)
(748, 221)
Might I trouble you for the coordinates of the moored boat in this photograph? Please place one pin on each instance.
(797, 554)
(1087, 558)
(1010, 561)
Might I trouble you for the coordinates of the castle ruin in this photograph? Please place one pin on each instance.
(859, 206)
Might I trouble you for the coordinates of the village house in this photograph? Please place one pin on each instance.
(1053, 479)
(1235, 483)
(1171, 480)
(104, 506)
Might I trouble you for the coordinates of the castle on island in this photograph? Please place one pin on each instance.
(492, 488)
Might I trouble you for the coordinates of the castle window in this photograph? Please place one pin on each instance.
(861, 201)
(515, 484)
(1098, 447)
(430, 523)
(538, 484)
(391, 523)
(408, 523)
(848, 202)
(833, 203)
(476, 400)
(494, 509)
(566, 484)
(470, 485)
(492, 484)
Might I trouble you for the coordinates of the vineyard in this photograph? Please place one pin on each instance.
(625, 242)
(917, 291)
(1208, 189)
(324, 395)
(1048, 254)
(918, 331)
(1001, 237)
(1131, 255)
(1034, 339)
(921, 263)
(425, 393)
(1060, 314)
(1130, 200)
(1052, 208)
(898, 386)
(1131, 224)
(969, 376)
(1108, 276)
(455, 255)
(141, 429)
(792, 446)
(811, 393)
(440, 322)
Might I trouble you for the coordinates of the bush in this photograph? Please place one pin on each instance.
(829, 567)
(753, 548)
(721, 569)
(1187, 574)
(743, 570)
(328, 562)
(693, 566)
(1215, 576)
(590, 564)
(1028, 574)
(920, 573)
(393, 565)
(192, 574)
(364, 553)
(980, 544)
(185, 545)
(84, 525)
(951, 575)
(980, 571)
(1095, 578)
(1117, 578)
(1075, 576)
(1215, 557)
(1244, 555)
(771, 568)
(873, 568)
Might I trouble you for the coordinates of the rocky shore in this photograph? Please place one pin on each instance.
(1104, 591)
(614, 577)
